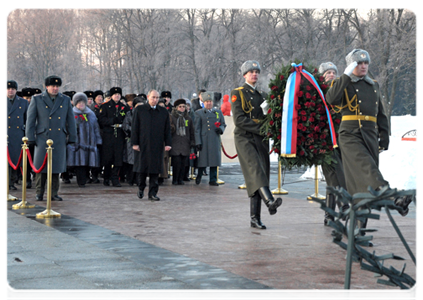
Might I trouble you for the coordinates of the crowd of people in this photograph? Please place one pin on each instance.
(129, 138)
(111, 138)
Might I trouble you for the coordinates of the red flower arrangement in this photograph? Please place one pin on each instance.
(314, 142)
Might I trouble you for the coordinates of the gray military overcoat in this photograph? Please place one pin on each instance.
(16, 118)
(55, 121)
(206, 135)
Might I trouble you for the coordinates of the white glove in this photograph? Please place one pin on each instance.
(265, 107)
(349, 70)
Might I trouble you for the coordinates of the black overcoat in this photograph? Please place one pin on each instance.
(112, 114)
(151, 132)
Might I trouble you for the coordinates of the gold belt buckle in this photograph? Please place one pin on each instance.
(366, 118)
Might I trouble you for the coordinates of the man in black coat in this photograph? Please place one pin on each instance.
(197, 103)
(150, 136)
(110, 119)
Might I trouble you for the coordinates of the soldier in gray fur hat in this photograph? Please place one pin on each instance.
(328, 70)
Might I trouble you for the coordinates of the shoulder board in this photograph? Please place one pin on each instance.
(240, 88)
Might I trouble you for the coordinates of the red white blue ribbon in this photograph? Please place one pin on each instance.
(290, 112)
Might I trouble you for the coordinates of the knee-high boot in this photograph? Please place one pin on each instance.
(330, 203)
(268, 199)
(255, 210)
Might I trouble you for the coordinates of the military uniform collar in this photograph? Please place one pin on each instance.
(366, 78)
(250, 86)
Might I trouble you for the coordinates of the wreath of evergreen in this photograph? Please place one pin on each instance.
(314, 144)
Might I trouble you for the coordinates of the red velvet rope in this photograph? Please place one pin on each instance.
(32, 165)
(226, 154)
(14, 167)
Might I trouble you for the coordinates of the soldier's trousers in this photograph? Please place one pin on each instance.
(41, 180)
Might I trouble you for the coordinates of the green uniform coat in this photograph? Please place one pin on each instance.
(253, 152)
(360, 144)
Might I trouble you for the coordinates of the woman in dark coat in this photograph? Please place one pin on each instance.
(84, 153)
(183, 139)
(128, 152)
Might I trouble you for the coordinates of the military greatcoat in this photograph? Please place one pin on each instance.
(253, 152)
(364, 128)
(110, 119)
(16, 119)
(51, 120)
(206, 136)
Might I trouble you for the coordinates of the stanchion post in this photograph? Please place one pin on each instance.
(316, 186)
(9, 197)
(242, 186)
(49, 213)
(170, 172)
(218, 180)
(23, 204)
(279, 190)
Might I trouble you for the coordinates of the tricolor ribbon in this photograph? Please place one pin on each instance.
(290, 113)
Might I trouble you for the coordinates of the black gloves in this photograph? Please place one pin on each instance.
(199, 147)
(219, 130)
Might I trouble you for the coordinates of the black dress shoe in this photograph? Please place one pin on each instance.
(186, 179)
(56, 198)
(96, 180)
(39, 197)
(140, 194)
(12, 187)
(198, 180)
(117, 184)
(213, 183)
(29, 184)
(174, 182)
(106, 182)
(181, 183)
(153, 198)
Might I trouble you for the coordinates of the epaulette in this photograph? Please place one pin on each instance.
(240, 88)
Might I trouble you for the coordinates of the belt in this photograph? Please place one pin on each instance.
(359, 117)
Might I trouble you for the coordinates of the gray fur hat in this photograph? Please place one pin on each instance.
(357, 55)
(207, 96)
(327, 66)
(250, 65)
(78, 97)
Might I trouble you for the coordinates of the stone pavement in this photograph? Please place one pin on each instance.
(196, 237)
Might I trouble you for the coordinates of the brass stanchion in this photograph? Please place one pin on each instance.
(316, 186)
(23, 204)
(8, 196)
(49, 213)
(280, 190)
(242, 186)
(218, 180)
(192, 175)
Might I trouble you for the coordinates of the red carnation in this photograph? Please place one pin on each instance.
(308, 88)
(317, 129)
(282, 77)
(321, 78)
(311, 147)
(308, 95)
(122, 108)
(311, 119)
(304, 118)
(300, 94)
(298, 107)
(313, 98)
(337, 121)
(303, 112)
(269, 111)
(279, 137)
(302, 153)
(272, 96)
(76, 117)
(117, 106)
(271, 123)
(307, 104)
(281, 104)
(274, 88)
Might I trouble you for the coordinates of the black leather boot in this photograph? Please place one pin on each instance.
(255, 210)
(268, 199)
(330, 203)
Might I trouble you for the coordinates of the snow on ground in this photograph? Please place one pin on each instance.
(399, 163)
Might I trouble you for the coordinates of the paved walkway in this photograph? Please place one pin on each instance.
(196, 237)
